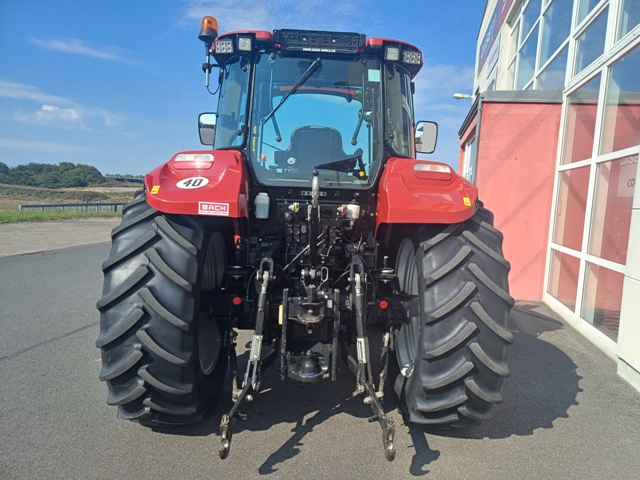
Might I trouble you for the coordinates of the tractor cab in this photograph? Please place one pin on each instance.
(297, 101)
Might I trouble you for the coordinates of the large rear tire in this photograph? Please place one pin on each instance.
(452, 357)
(163, 359)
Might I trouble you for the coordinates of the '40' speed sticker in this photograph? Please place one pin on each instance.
(193, 182)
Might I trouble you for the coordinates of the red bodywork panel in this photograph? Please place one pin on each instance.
(379, 42)
(405, 197)
(259, 34)
(220, 188)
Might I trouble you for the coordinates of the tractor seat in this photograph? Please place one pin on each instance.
(310, 145)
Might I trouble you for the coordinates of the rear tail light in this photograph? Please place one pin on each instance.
(433, 171)
(191, 161)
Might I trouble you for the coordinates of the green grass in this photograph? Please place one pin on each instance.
(13, 195)
(14, 216)
(51, 194)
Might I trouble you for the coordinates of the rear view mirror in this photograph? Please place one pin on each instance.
(207, 128)
(426, 137)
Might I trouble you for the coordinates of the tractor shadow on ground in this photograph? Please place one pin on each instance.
(543, 385)
(302, 405)
(305, 405)
(315, 404)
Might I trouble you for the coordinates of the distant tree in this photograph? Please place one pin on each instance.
(50, 179)
(66, 174)
(22, 175)
(89, 173)
(125, 177)
(64, 166)
(4, 173)
(72, 179)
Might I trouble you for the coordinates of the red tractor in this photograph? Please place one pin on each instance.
(307, 220)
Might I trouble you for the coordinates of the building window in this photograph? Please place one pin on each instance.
(590, 45)
(601, 131)
(530, 16)
(622, 109)
(513, 40)
(629, 17)
(544, 30)
(511, 76)
(584, 8)
(513, 48)
(563, 280)
(553, 75)
(571, 207)
(527, 60)
(602, 299)
(582, 107)
(612, 205)
(556, 26)
(469, 161)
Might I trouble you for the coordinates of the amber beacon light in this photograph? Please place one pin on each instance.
(208, 33)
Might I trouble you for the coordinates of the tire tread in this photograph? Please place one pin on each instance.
(460, 364)
(149, 312)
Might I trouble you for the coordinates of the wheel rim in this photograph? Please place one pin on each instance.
(407, 340)
(209, 338)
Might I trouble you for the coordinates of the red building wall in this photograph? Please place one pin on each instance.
(515, 174)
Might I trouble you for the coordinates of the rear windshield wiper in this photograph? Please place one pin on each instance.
(303, 79)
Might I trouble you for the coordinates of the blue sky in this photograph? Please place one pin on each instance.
(118, 84)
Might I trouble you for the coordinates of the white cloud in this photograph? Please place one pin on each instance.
(20, 91)
(57, 111)
(260, 15)
(53, 115)
(47, 147)
(440, 82)
(76, 118)
(78, 47)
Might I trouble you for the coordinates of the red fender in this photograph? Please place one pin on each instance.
(212, 183)
(418, 191)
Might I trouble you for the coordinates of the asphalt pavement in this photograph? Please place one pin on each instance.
(565, 415)
(34, 237)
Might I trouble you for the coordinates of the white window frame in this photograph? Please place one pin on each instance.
(470, 159)
(613, 52)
